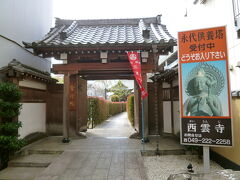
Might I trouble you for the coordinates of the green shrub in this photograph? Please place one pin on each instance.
(10, 107)
(99, 110)
(9, 110)
(130, 108)
(116, 107)
(115, 98)
(9, 92)
(93, 111)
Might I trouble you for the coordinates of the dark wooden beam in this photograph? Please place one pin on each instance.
(107, 72)
(73, 67)
(47, 51)
(108, 77)
(53, 51)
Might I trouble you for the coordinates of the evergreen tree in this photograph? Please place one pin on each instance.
(120, 90)
(10, 107)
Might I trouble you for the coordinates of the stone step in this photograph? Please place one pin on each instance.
(33, 160)
(163, 152)
(20, 173)
(37, 151)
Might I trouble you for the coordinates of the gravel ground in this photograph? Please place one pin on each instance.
(161, 167)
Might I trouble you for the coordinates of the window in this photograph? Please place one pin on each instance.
(236, 13)
(236, 8)
(166, 94)
(200, 1)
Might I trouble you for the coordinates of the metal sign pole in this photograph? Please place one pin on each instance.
(206, 159)
(143, 139)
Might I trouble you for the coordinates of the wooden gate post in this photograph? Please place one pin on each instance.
(65, 108)
(137, 116)
(145, 101)
(82, 115)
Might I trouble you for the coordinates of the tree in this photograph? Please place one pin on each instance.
(99, 88)
(10, 107)
(120, 90)
(115, 98)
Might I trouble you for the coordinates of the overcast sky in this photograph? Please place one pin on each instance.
(171, 10)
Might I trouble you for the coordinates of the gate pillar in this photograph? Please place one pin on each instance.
(138, 108)
(145, 101)
(82, 115)
(65, 106)
(137, 105)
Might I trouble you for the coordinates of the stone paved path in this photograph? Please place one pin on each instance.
(107, 153)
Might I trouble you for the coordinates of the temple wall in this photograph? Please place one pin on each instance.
(167, 117)
(33, 112)
(33, 118)
(233, 153)
(54, 119)
(176, 117)
(32, 84)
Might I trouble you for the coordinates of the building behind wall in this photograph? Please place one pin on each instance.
(26, 20)
(168, 96)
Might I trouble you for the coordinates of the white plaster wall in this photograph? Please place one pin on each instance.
(215, 13)
(33, 84)
(175, 82)
(24, 20)
(167, 117)
(33, 118)
(166, 85)
(176, 117)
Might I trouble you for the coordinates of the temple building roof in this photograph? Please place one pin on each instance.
(106, 32)
(166, 75)
(17, 69)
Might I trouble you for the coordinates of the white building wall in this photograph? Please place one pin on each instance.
(211, 14)
(23, 20)
(167, 117)
(33, 118)
(176, 117)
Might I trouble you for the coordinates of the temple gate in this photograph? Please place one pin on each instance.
(96, 50)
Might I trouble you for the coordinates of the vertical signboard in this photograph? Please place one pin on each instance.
(72, 103)
(204, 87)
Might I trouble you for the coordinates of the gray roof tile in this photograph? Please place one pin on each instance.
(106, 31)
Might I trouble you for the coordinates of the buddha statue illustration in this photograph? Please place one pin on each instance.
(203, 86)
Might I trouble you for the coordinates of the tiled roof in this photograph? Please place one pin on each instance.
(26, 70)
(106, 31)
(166, 75)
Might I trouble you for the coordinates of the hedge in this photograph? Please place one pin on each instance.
(100, 109)
(130, 108)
